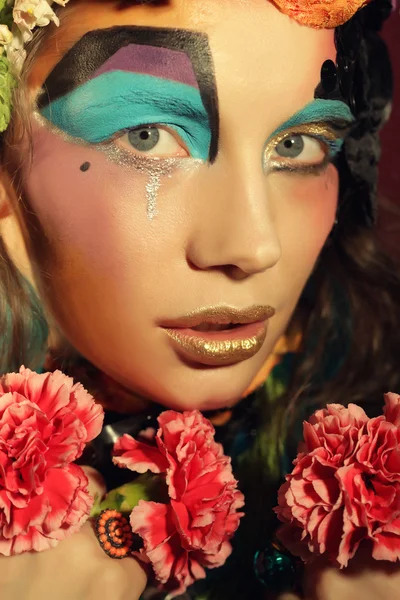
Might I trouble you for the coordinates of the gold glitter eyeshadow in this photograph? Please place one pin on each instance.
(318, 131)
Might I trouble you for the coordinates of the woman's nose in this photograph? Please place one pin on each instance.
(234, 228)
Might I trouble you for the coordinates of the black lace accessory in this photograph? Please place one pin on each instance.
(363, 79)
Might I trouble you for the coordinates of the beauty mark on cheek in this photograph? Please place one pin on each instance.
(116, 83)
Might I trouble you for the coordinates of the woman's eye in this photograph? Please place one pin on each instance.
(301, 148)
(153, 141)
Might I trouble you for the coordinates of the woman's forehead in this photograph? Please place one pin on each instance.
(243, 37)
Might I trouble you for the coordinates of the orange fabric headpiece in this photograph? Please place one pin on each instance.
(320, 14)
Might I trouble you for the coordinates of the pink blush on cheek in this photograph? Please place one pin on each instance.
(321, 206)
(81, 198)
(305, 210)
(323, 215)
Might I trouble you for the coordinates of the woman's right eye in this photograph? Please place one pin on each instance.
(153, 140)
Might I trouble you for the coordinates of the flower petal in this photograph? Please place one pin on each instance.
(137, 456)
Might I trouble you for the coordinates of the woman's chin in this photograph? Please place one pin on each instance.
(181, 387)
(203, 400)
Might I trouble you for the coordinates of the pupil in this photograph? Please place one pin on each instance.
(144, 139)
(291, 147)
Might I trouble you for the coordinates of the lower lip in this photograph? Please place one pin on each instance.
(219, 348)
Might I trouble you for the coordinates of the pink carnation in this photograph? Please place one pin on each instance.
(194, 529)
(45, 422)
(345, 486)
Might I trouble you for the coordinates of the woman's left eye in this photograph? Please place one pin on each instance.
(153, 141)
(300, 148)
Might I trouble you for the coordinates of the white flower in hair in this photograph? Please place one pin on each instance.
(5, 36)
(18, 19)
(16, 54)
(29, 14)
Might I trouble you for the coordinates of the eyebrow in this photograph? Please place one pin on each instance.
(318, 111)
(121, 100)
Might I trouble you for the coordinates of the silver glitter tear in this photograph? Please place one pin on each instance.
(155, 168)
(152, 187)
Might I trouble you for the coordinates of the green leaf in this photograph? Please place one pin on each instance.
(6, 14)
(7, 84)
(126, 497)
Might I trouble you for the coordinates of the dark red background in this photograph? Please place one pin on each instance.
(389, 220)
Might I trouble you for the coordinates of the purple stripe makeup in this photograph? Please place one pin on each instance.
(150, 60)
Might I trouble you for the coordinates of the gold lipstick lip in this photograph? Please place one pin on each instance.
(222, 315)
(218, 353)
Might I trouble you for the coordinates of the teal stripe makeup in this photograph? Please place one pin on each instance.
(318, 111)
(119, 100)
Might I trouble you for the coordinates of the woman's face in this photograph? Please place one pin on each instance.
(181, 188)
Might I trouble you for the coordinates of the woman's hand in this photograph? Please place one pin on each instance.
(77, 569)
(364, 579)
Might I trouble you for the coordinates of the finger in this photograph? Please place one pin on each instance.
(133, 571)
(136, 572)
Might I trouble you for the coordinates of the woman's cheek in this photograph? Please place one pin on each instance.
(304, 209)
(75, 194)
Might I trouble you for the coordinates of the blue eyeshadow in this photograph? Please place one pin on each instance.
(119, 100)
(334, 146)
(317, 111)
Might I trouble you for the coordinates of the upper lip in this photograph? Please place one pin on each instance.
(222, 315)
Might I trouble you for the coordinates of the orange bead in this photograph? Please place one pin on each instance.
(114, 533)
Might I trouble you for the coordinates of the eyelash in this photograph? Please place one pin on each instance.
(331, 137)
